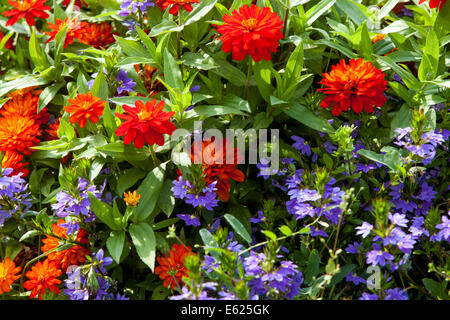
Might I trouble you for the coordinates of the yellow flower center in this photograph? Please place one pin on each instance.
(249, 24)
(25, 5)
(145, 115)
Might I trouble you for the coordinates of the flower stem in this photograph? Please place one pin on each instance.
(247, 83)
(154, 158)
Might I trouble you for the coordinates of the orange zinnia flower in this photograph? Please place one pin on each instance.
(43, 275)
(434, 3)
(175, 5)
(171, 269)
(252, 31)
(216, 166)
(358, 85)
(153, 86)
(28, 9)
(25, 105)
(131, 198)
(72, 256)
(52, 131)
(98, 35)
(18, 133)
(8, 275)
(12, 159)
(83, 107)
(73, 29)
(145, 123)
(378, 37)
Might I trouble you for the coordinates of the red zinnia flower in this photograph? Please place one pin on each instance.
(12, 159)
(176, 4)
(73, 256)
(97, 35)
(434, 3)
(216, 167)
(28, 9)
(83, 107)
(253, 30)
(43, 275)
(359, 85)
(145, 123)
(73, 29)
(171, 269)
(8, 275)
(18, 133)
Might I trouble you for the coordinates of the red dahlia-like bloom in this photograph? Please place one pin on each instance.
(359, 85)
(73, 29)
(434, 3)
(176, 4)
(18, 133)
(28, 9)
(215, 165)
(75, 255)
(252, 31)
(12, 159)
(8, 271)
(84, 107)
(98, 35)
(171, 268)
(43, 275)
(145, 123)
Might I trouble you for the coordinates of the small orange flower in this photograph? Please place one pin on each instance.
(18, 133)
(12, 159)
(147, 75)
(216, 167)
(28, 9)
(98, 35)
(171, 269)
(8, 275)
(359, 85)
(52, 131)
(25, 105)
(43, 275)
(145, 123)
(73, 29)
(84, 107)
(131, 199)
(73, 256)
(378, 37)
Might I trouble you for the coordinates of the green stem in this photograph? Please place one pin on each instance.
(180, 22)
(247, 83)
(153, 154)
(286, 19)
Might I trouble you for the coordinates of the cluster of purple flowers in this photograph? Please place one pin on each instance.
(206, 197)
(78, 284)
(309, 202)
(426, 148)
(76, 207)
(129, 7)
(13, 194)
(266, 279)
(389, 294)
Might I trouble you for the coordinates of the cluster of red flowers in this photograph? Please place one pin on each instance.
(44, 275)
(171, 268)
(216, 165)
(20, 128)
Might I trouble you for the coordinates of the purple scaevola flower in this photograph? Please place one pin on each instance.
(301, 145)
(189, 220)
(125, 84)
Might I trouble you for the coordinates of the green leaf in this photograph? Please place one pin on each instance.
(341, 274)
(100, 87)
(238, 227)
(305, 116)
(66, 130)
(166, 200)
(352, 11)
(409, 79)
(29, 234)
(21, 82)
(132, 48)
(147, 41)
(172, 73)
(262, 72)
(228, 71)
(47, 95)
(270, 234)
(128, 178)
(145, 242)
(390, 159)
(165, 26)
(430, 61)
(199, 61)
(37, 54)
(285, 230)
(437, 289)
(402, 119)
(199, 11)
(149, 190)
(312, 268)
(318, 10)
(402, 92)
(115, 244)
(103, 211)
(363, 42)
